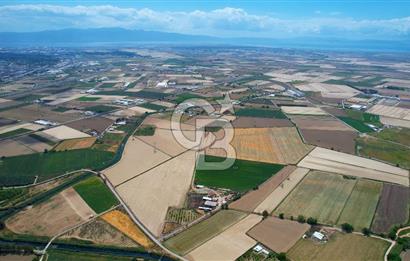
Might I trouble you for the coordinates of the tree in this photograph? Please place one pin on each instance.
(265, 214)
(301, 219)
(281, 216)
(45, 150)
(282, 257)
(366, 231)
(346, 227)
(311, 221)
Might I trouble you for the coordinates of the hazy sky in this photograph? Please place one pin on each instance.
(274, 19)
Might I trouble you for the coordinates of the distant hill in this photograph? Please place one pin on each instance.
(118, 36)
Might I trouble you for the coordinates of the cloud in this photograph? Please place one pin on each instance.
(220, 22)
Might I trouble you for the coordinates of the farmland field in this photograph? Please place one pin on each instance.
(127, 167)
(73, 144)
(271, 145)
(61, 255)
(145, 130)
(242, 176)
(124, 223)
(49, 165)
(399, 135)
(357, 124)
(203, 231)
(181, 215)
(63, 132)
(340, 247)
(109, 142)
(88, 98)
(361, 205)
(277, 234)
(256, 122)
(100, 232)
(262, 113)
(95, 123)
(153, 106)
(13, 133)
(303, 110)
(320, 195)
(253, 198)
(150, 194)
(93, 190)
(350, 165)
(343, 141)
(392, 209)
(229, 244)
(383, 150)
(100, 108)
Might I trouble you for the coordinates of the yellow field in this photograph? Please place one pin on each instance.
(271, 145)
(74, 144)
(123, 223)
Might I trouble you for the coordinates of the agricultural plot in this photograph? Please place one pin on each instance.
(35, 112)
(393, 153)
(270, 145)
(255, 122)
(74, 144)
(100, 232)
(100, 108)
(361, 205)
(150, 94)
(13, 133)
(242, 176)
(303, 110)
(49, 165)
(394, 122)
(340, 247)
(164, 140)
(93, 190)
(123, 223)
(109, 142)
(343, 141)
(260, 113)
(281, 192)
(345, 164)
(320, 195)
(277, 234)
(130, 166)
(390, 111)
(253, 198)
(150, 195)
(228, 245)
(13, 127)
(181, 215)
(64, 133)
(329, 90)
(311, 122)
(145, 130)
(98, 124)
(10, 148)
(359, 125)
(88, 98)
(60, 212)
(31, 141)
(138, 110)
(153, 106)
(392, 209)
(199, 233)
(399, 135)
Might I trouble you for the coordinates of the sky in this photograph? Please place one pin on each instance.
(349, 19)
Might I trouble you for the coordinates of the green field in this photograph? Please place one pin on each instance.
(21, 170)
(384, 150)
(242, 176)
(88, 98)
(96, 194)
(100, 108)
(145, 130)
(340, 247)
(107, 85)
(399, 135)
(61, 255)
(150, 94)
(153, 106)
(185, 96)
(203, 231)
(264, 113)
(361, 205)
(13, 133)
(320, 195)
(61, 109)
(357, 124)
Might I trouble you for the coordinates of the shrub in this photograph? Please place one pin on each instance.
(346, 227)
(301, 219)
(265, 214)
(281, 216)
(366, 231)
(282, 257)
(311, 221)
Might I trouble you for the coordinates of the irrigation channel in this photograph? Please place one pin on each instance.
(88, 249)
